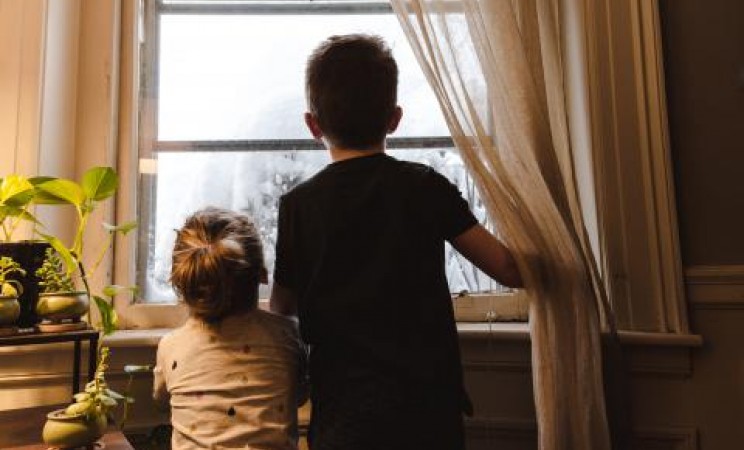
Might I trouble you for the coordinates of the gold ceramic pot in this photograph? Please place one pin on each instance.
(59, 306)
(10, 310)
(67, 431)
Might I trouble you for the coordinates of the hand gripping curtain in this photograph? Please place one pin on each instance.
(496, 68)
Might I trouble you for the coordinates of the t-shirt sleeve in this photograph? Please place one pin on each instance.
(452, 215)
(284, 266)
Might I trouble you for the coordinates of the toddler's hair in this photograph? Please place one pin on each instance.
(351, 83)
(217, 263)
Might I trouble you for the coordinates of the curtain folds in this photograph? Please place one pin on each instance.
(496, 68)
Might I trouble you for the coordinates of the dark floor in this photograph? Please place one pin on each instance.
(158, 439)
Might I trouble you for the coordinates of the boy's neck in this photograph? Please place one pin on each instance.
(341, 154)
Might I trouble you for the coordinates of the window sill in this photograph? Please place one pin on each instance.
(520, 332)
(502, 331)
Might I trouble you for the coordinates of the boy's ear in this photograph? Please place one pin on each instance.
(312, 124)
(395, 119)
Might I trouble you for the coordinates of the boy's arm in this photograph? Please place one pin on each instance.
(283, 300)
(484, 250)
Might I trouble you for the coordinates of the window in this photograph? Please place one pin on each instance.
(222, 119)
(617, 112)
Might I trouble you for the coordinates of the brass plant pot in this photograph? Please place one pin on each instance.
(67, 431)
(10, 310)
(58, 306)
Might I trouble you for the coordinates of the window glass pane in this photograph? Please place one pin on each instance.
(252, 182)
(241, 76)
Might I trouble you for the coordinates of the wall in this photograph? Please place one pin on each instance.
(704, 59)
(704, 56)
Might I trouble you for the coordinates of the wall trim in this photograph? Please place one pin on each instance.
(676, 438)
(715, 286)
(46, 379)
(497, 427)
(728, 274)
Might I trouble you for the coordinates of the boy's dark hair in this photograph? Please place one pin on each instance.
(351, 83)
(217, 263)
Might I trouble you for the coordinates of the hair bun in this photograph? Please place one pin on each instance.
(216, 258)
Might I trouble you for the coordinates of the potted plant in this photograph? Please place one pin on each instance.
(83, 422)
(66, 263)
(60, 305)
(10, 289)
(17, 194)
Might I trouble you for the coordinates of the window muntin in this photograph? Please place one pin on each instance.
(222, 129)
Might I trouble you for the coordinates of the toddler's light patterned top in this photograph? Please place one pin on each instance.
(232, 385)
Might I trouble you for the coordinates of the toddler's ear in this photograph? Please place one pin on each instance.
(312, 124)
(263, 276)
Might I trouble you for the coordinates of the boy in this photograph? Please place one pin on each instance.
(360, 260)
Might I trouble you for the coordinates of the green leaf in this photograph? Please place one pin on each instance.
(100, 183)
(13, 211)
(114, 289)
(64, 253)
(9, 211)
(81, 397)
(109, 318)
(123, 228)
(106, 400)
(38, 180)
(79, 408)
(60, 191)
(16, 190)
(113, 394)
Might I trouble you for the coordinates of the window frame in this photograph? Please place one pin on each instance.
(615, 89)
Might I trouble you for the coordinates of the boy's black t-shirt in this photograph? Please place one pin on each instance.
(362, 245)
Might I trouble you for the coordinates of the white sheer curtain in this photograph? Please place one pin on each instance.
(496, 68)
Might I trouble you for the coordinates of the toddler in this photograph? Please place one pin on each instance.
(231, 373)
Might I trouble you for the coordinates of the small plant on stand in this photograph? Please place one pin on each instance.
(60, 305)
(10, 289)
